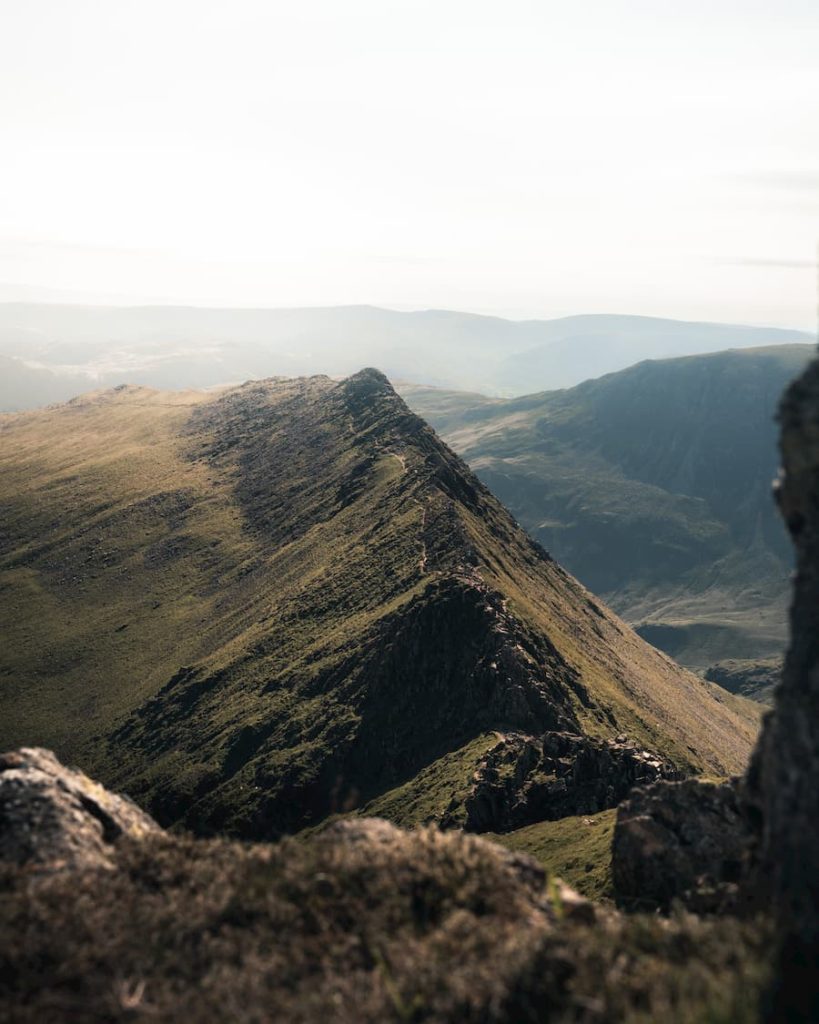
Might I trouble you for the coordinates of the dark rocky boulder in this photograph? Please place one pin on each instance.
(54, 818)
(783, 781)
(524, 779)
(680, 841)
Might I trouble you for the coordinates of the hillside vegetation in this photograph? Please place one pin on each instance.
(363, 923)
(653, 486)
(253, 608)
(756, 680)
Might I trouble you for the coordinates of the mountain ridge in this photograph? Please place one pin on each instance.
(327, 602)
(653, 486)
(177, 347)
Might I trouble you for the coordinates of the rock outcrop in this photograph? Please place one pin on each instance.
(524, 779)
(680, 841)
(361, 923)
(783, 781)
(54, 818)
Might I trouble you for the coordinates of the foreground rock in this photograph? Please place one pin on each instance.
(53, 818)
(664, 840)
(362, 923)
(783, 782)
(525, 779)
(680, 841)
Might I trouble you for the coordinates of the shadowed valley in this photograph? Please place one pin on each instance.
(652, 485)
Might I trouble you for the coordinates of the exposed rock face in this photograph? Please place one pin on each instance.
(524, 779)
(53, 818)
(783, 782)
(684, 841)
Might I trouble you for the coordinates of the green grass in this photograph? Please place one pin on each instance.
(578, 850)
(435, 790)
(256, 608)
(755, 679)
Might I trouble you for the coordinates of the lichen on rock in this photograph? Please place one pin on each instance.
(54, 818)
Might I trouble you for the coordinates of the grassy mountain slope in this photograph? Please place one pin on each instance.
(576, 849)
(652, 485)
(183, 347)
(756, 680)
(255, 607)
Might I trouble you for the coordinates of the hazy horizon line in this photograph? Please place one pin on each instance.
(127, 302)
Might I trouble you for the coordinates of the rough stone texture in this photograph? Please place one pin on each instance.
(783, 781)
(54, 818)
(680, 841)
(524, 779)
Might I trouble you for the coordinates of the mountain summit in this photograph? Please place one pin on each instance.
(254, 607)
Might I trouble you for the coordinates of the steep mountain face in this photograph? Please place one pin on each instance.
(255, 607)
(653, 486)
(182, 347)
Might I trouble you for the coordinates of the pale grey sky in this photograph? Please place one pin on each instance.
(526, 158)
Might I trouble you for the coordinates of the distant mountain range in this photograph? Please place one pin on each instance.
(180, 347)
(254, 608)
(653, 486)
(26, 387)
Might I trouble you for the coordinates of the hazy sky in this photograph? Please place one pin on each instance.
(522, 158)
